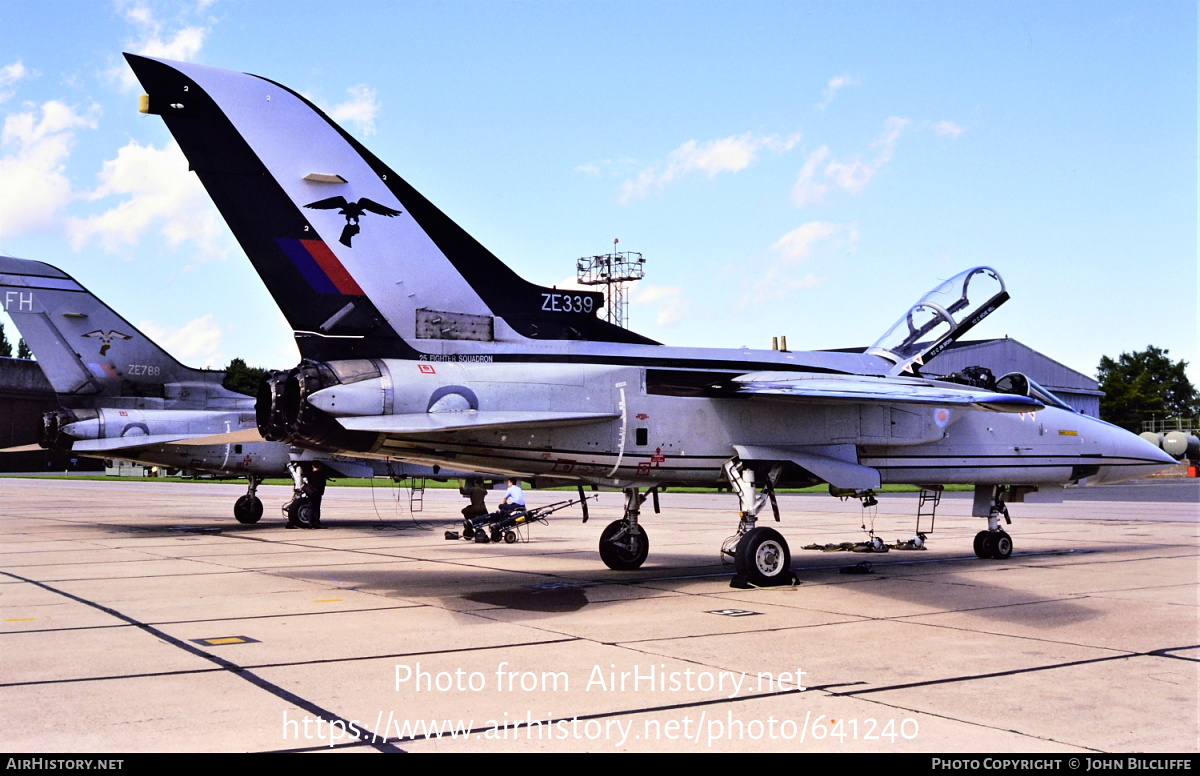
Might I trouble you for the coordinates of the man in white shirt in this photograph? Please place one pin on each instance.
(514, 497)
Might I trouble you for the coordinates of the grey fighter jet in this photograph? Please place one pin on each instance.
(122, 396)
(419, 342)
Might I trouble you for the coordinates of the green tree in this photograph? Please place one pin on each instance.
(5, 346)
(23, 350)
(242, 378)
(1143, 386)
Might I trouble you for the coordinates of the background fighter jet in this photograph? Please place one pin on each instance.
(419, 342)
(130, 399)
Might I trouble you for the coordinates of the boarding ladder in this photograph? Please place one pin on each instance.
(927, 505)
(416, 494)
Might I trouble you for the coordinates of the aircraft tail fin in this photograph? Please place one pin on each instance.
(86, 349)
(361, 264)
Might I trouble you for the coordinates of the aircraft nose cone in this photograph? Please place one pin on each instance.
(1127, 456)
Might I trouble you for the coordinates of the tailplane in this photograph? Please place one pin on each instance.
(360, 263)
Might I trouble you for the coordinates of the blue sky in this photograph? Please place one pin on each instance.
(798, 168)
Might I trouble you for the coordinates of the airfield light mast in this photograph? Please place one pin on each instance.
(613, 269)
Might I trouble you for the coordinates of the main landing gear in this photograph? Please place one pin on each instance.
(624, 544)
(761, 556)
(995, 541)
(248, 508)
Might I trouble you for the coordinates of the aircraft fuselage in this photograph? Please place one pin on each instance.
(634, 429)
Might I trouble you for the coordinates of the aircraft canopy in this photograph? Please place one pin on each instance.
(941, 317)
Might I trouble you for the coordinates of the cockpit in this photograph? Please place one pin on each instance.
(1016, 383)
(941, 317)
(1022, 385)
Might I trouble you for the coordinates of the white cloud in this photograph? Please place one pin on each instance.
(798, 244)
(35, 187)
(780, 277)
(668, 301)
(808, 190)
(607, 167)
(850, 175)
(9, 76)
(196, 344)
(362, 108)
(947, 129)
(158, 193)
(730, 154)
(777, 285)
(836, 84)
(155, 40)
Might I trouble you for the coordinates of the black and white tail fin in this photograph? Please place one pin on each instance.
(360, 263)
(88, 350)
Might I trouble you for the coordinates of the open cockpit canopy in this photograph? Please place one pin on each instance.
(941, 317)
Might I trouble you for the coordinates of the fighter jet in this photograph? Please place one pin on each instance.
(123, 396)
(419, 342)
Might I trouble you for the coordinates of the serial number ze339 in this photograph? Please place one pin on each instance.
(567, 303)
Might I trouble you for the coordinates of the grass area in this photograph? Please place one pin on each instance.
(363, 482)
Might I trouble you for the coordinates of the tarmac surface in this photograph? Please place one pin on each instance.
(142, 617)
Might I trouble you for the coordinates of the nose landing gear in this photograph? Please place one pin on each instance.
(994, 542)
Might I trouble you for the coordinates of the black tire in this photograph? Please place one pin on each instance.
(1002, 546)
(468, 530)
(510, 537)
(301, 513)
(248, 509)
(763, 557)
(978, 546)
(628, 555)
(988, 544)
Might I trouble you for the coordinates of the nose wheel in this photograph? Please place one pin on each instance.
(993, 544)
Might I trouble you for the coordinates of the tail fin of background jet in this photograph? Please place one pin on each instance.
(87, 350)
(360, 263)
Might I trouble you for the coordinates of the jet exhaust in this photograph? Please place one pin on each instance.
(284, 414)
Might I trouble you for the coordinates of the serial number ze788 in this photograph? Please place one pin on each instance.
(567, 303)
(149, 370)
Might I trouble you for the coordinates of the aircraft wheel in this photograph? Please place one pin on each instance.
(509, 537)
(979, 540)
(988, 544)
(629, 552)
(1002, 546)
(763, 557)
(248, 509)
(302, 514)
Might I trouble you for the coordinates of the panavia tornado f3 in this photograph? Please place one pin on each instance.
(421, 344)
(123, 396)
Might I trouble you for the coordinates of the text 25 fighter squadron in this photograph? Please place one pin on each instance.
(418, 342)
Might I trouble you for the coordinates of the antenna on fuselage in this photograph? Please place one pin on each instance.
(614, 270)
